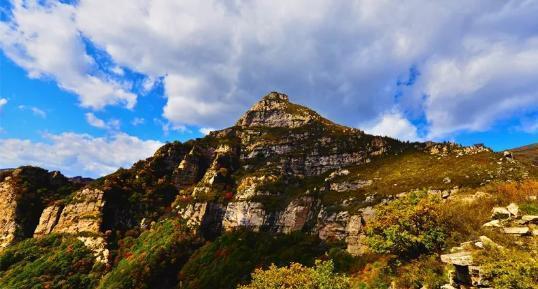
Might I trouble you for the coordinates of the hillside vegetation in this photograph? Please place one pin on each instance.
(283, 199)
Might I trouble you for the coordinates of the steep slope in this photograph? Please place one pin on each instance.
(24, 193)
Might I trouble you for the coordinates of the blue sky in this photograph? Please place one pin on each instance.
(89, 86)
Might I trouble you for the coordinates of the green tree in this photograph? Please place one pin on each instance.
(297, 276)
(408, 226)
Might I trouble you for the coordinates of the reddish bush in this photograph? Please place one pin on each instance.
(228, 196)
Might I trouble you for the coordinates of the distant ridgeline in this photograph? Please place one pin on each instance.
(282, 185)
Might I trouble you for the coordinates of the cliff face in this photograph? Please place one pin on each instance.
(24, 193)
(281, 168)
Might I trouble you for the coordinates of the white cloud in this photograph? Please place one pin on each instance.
(117, 70)
(94, 121)
(77, 154)
(44, 40)
(184, 106)
(36, 111)
(206, 130)
(395, 125)
(215, 58)
(167, 126)
(489, 83)
(3, 102)
(342, 58)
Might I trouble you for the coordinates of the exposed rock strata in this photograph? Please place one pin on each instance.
(83, 214)
(24, 193)
(48, 220)
(8, 207)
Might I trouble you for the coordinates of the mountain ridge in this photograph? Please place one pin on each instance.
(281, 169)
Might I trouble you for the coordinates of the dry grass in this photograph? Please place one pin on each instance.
(517, 192)
(465, 218)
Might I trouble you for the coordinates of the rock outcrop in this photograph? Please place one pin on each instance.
(8, 218)
(48, 220)
(302, 214)
(509, 220)
(250, 215)
(275, 110)
(297, 214)
(24, 193)
(83, 214)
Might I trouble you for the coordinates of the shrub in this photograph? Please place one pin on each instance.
(424, 272)
(530, 208)
(408, 226)
(510, 268)
(55, 262)
(298, 276)
(232, 257)
(153, 260)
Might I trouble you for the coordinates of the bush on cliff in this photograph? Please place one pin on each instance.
(408, 226)
(231, 258)
(154, 259)
(54, 262)
(510, 268)
(297, 276)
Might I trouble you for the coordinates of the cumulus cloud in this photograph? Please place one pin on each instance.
(395, 125)
(489, 83)
(346, 59)
(343, 58)
(44, 40)
(94, 121)
(3, 102)
(77, 154)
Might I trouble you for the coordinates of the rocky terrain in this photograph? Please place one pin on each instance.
(282, 169)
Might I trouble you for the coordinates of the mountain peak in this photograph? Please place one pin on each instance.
(275, 110)
(276, 96)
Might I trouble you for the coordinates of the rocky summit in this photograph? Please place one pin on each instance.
(282, 185)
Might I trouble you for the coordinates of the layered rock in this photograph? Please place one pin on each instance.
(250, 215)
(219, 172)
(297, 214)
(82, 214)
(48, 220)
(301, 214)
(275, 110)
(8, 207)
(192, 167)
(24, 193)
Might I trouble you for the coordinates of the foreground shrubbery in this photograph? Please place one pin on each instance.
(297, 276)
(231, 258)
(410, 232)
(510, 268)
(408, 227)
(54, 262)
(154, 259)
